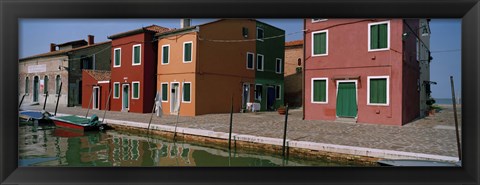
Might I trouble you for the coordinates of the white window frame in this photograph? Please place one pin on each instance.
(326, 43)
(326, 89)
(280, 92)
(183, 54)
(168, 62)
(133, 54)
(114, 57)
(136, 82)
(253, 61)
(258, 28)
(388, 90)
(183, 92)
(263, 62)
(161, 91)
(318, 20)
(388, 36)
(116, 97)
(255, 92)
(278, 71)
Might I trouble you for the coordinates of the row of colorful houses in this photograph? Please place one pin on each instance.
(195, 69)
(355, 70)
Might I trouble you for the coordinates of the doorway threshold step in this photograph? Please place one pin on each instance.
(346, 120)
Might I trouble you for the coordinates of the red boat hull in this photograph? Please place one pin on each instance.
(67, 125)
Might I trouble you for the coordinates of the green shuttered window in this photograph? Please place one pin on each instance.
(136, 54)
(378, 91)
(165, 92)
(117, 57)
(320, 43)
(26, 84)
(187, 52)
(186, 92)
(116, 90)
(319, 90)
(379, 36)
(165, 53)
(136, 90)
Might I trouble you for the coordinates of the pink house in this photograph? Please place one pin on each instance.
(362, 70)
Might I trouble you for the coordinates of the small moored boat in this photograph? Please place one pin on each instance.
(77, 122)
(43, 117)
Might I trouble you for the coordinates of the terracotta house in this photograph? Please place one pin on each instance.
(96, 89)
(293, 73)
(362, 70)
(133, 69)
(201, 68)
(40, 75)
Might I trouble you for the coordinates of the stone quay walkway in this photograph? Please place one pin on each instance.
(433, 135)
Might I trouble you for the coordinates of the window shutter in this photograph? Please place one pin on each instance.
(250, 60)
(117, 57)
(316, 44)
(45, 85)
(319, 90)
(186, 92)
(164, 92)
(382, 91)
(383, 36)
(137, 55)
(117, 90)
(165, 55)
(374, 37)
(373, 91)
(188, 52)
(135, 90)
(323, 43)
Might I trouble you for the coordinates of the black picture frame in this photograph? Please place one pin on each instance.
(12, 11)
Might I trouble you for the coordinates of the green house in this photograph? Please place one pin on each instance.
(269, 65)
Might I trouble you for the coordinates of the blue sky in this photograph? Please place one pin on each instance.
(37, 34)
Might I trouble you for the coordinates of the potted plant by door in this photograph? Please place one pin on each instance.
(281, 110)
(431, 110)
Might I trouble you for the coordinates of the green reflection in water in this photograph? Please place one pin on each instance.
(60, 147)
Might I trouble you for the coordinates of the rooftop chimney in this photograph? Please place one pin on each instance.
(185, 23)
(52, 47)
(91, 39)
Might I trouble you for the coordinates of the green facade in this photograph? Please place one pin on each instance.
(272, 47)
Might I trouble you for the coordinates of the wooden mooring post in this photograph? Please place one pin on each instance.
(285, 131)
(179, 106)
(456, 120)
(21, 101)
(231, 122)
(45, 102)
(89, 103)
(58, 98)
(153, 111)
(107, 105)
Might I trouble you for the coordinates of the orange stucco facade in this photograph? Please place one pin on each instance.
(217, 71)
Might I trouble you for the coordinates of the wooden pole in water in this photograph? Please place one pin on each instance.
(107, 105)
(45, 102)
(21, 101)
(231, 123)
(456, 121)
(89, 103)
(178, 112)
(58, 98)
(285, 131)
(153, 111)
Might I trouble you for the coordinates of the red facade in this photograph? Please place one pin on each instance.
(97, 81)
(126, 74)
(349, 61)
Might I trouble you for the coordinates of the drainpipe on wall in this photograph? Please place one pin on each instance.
(303, 69)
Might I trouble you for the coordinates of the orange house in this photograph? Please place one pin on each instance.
(200, 73)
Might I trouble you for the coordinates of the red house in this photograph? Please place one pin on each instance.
(133, 77)
(95, 89)
(361, 70)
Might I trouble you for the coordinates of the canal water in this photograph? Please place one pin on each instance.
(50, 146)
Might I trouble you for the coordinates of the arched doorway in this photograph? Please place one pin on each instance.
(36, 87)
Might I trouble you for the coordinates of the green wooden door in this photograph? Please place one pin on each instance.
(346, 100)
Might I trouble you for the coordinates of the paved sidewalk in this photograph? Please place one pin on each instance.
(432, 135)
